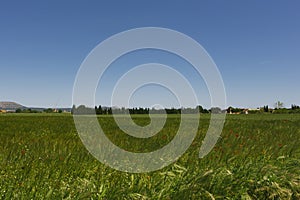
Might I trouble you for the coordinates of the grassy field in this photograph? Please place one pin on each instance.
(257, 157)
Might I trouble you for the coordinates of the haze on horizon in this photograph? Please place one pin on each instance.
(255, 45)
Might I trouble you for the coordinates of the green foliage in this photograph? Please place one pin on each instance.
(27, 110)
(49, 110)
(295, 107)
(286, 111)
(109, 110)
(235, 110)
(19, 110)
(256, 157)
(255, 111)
(278, 105)
(216, 110)
(266, 108)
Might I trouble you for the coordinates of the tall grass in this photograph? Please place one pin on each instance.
(257, 157)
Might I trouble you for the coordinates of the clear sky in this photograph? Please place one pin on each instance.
(255, 44)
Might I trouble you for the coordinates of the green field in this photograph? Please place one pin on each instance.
(257, 157)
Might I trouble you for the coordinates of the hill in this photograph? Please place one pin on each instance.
(7, 105)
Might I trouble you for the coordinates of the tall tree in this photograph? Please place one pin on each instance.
(266, 108)
(278, 105)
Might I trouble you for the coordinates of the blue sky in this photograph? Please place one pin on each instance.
(255, 44)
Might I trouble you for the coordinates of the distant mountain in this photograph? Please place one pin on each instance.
(12, 106)
(6, 105)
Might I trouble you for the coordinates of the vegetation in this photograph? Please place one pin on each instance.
(109, 110)
(101, 110)
(257, 157)
(29, 110)
(278, 105)
(26, 110)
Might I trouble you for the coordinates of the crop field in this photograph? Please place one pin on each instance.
(256, 157)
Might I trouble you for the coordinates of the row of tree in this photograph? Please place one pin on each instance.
(29, 110)
(100, 110)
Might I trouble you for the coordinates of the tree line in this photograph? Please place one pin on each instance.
(104, 110)
(101, 110)
(278, 109)
(29, 110)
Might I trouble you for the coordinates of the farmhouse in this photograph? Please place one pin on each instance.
(237, 111)
(10, 111)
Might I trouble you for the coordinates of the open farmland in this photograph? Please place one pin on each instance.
(257, 157)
